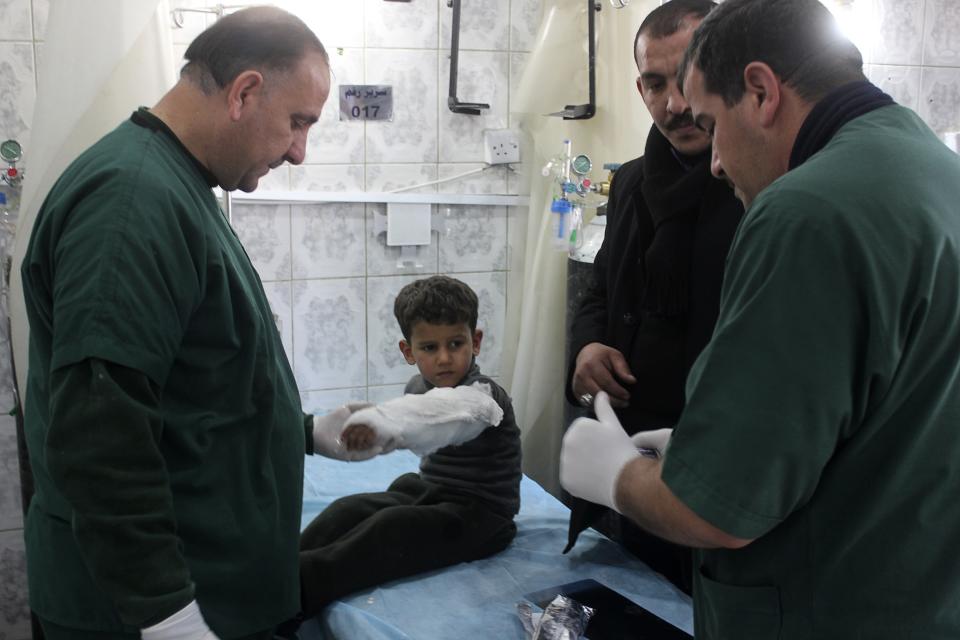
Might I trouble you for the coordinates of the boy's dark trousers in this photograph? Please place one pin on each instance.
(367, 539)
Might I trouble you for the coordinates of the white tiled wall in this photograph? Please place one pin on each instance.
(329, 278)
(329, 274)
(916, 58)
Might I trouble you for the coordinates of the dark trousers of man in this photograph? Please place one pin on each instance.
(672, 561)
(413, 527)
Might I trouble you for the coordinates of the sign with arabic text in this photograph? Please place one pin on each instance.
(366, 102)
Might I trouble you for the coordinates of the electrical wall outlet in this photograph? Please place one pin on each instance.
(501, 146)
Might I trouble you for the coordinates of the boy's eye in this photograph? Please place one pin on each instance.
(456, 344)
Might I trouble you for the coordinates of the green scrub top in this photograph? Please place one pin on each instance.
(823, 418)
(131, 263)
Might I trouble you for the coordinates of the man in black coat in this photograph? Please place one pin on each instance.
(656, 280)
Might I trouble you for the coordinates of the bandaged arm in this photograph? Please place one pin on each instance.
(425, 422)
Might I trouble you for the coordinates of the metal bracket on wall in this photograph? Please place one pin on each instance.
(586, 111)
(467, 108)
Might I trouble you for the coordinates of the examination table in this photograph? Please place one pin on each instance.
(475, 599)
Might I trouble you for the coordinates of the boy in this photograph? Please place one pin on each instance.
(460, 506)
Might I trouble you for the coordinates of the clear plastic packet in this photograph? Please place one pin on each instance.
(563, 619)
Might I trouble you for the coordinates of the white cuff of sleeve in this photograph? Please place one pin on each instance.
(186, 624)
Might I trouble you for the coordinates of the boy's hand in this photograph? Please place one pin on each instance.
(327, 432)
(357, 437)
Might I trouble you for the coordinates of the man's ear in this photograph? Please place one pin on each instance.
(763, 91)
(407, 352)
(245, 89)
(477, 339)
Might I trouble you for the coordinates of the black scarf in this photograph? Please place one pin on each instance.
(839, 107)
(675, 189)
(673, 194)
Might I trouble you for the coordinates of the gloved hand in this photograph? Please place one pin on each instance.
(655, 441)
(593, 454)
(326, 435)
(186, 624)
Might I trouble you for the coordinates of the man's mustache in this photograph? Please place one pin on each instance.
(680, 121)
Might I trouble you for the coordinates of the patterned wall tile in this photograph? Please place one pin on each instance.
(482, 77)
(518, 62)
(402, 24)
(412, 135)
(41, 11)
(474, 238)
(276, 179)
(491, 289)
(518, 181)
(14, 606)
(7, 392)
(941, 38)
(492, 180)
(901, 83)
(524, 22)
(389, 177)
(393, 260)
(11, 508)
(329, 333)
(517, 219)
(330, 140)
(328, 240)
(321, 402)
(901, 32)
(337, 24)
(484, 24)
(15, 20)
(18, 91)
(940, 99)
(385, 362)
(386, 392)
(279, 294)
(264, 230)
(320, 177)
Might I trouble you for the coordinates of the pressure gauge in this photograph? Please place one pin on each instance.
(581, 164)
(10, 151)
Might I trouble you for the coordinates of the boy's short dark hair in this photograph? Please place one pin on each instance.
(436, 300)
(262, 38)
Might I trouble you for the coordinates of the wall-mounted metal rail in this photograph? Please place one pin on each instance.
(586, 111)
(466, 108)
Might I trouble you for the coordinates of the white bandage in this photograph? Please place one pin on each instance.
(425, 422)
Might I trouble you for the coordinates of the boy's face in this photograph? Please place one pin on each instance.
(442, 352)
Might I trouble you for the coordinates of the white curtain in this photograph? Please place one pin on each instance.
(556, 75)
(101, 60)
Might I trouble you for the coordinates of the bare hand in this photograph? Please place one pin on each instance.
(358, 437)
(602, 368)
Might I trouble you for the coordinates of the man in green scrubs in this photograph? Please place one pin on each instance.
(816, 465)
(163, 421)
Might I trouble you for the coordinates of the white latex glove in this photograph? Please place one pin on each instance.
(326, 435)
(654, 441)
(186, 624)
(593, 454)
